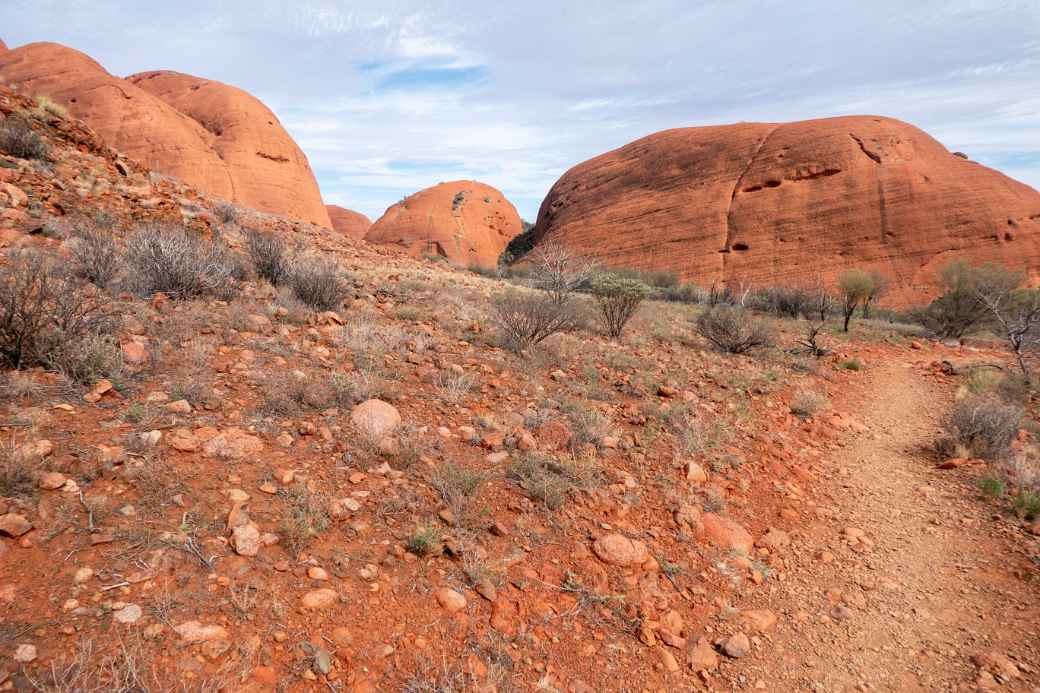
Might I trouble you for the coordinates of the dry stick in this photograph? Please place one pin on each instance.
(90, 513)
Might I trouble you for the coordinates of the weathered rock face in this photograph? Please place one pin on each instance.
(218, 139)
(465, 221)
(3, 46)
(268, 170)
(793, 204)
(348, 222)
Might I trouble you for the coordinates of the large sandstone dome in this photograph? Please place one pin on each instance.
(467, 222)
(348, 222)
(793, 203)
(210, 135)
(3, 46)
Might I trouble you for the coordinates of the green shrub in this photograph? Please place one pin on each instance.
(618, 298)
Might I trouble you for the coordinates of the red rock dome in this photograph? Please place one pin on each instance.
(348, 222)
(241, 154)
(3, 46)
(467, 222)
(793, 203)
(267, 169)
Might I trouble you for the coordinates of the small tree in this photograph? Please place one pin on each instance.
(879, 289)
(960, 309)
(528, 318)
(855, 286)
(558, 271)
(618, 298)
(1018, 315)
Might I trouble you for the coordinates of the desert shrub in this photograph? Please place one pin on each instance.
(424, 540)
(306, 516)
(44, 312)
(682, 293)
(225, 212)
(45, 106)
(459, 488)
(960, 309)
(96, 257)
(317, 283)
(783, 301)
(550, 481)
(855, 287)
(618, 298)
(168, 259)
(526, 318)
(18, 139)
(88, 358)
(980, 426)
(807, 403)
(17, 477)
(733, 330)
(269, 256)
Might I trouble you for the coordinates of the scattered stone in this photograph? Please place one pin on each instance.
(758, 620)
(180, 406)
(618, 549)
(703, 657)
(14, 525)
(246, 539)
(131, 613)
(321, 598)
(25, 653)
(375, 418)
(736, 646)
(233, 444)
(451, 600)
(193, 631)
(50, 481)
(725, 533)
(695, 473)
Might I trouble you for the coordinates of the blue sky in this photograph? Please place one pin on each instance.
(390, 97)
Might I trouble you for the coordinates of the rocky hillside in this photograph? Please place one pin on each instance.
(465, 221)
(763, 203)
(212, 136)
(258, 495)
(348, 222)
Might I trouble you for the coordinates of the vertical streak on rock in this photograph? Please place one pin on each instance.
(727, 248)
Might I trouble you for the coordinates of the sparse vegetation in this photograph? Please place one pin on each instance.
(980, 426)
(317, 283)
(855, 287)
(550, 481)
(306, 516)
(424, 540)
(807, 403)
(18, 139)
(46, 106)
(168, 259)
(270, 257)
(618, 298)
(47, 317)
(733, 330)
(96, 256)
(960, 309)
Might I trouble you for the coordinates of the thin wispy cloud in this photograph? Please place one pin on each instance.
(389, 97)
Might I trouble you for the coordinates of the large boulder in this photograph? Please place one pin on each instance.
(467, 222)
(210, 135)
(795, 203)
(348, 222)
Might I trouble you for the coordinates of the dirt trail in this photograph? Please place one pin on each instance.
(937, 580)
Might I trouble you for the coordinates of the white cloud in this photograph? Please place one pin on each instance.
(559, 84)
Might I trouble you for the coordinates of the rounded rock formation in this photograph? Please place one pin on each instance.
(348, 222)
(268, 170)
(3, 46)
(467, 222)
(217, 138)
(755, 204)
